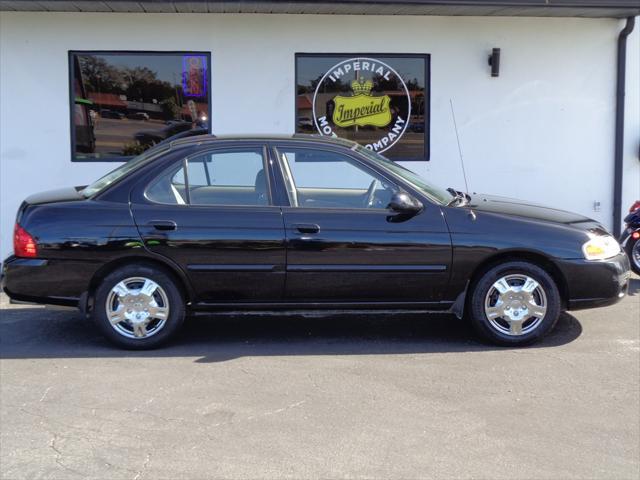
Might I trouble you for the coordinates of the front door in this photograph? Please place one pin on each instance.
(212, 214)
(344, 245)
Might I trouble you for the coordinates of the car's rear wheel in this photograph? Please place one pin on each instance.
(138, 307)
(515, 303)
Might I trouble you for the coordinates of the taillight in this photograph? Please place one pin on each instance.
(23, 243)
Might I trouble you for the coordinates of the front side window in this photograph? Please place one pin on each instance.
(324, 179)
(123, 103)
(214, 178)
(434, 192)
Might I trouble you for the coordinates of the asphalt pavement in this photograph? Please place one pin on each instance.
(269, 397)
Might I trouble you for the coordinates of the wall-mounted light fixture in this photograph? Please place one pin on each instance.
(494, 62)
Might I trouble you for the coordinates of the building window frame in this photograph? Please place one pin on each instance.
(427, 94)
(71, 80)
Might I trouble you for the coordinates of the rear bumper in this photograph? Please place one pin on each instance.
(36, 280)
(593, 284)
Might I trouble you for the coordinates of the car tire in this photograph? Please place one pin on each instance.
(514, 304)
(138, 307)
(633, 252)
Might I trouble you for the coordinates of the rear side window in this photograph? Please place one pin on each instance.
(235, 177)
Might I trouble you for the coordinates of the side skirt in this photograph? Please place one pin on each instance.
(319, 309)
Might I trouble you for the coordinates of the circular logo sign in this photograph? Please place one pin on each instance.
(366, 96)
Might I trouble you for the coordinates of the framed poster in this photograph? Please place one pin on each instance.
(378, 100)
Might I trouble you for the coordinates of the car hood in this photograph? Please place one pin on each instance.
(530, 210)
(67, 194)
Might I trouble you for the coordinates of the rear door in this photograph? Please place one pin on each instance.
(345, 245)
(212, 214)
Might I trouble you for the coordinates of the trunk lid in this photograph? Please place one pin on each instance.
(67, 194)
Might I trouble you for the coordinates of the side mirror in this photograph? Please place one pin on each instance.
(402, 202)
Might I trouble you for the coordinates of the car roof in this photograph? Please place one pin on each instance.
(200, 139)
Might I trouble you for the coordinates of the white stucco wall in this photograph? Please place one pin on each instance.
(541, 131)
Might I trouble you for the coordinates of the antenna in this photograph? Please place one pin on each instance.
(455, 126)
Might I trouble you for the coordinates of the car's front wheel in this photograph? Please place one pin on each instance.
(138, 307)
(514, 303)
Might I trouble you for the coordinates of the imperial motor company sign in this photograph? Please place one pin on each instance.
(363, 107)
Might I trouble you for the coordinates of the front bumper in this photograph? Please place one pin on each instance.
(595, 283)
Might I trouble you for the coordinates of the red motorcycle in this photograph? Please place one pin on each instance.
(630, 238)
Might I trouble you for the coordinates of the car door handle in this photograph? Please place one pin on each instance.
(163, 224)
(307, 227)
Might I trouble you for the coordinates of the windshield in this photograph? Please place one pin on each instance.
(115, 175)
(437, 194)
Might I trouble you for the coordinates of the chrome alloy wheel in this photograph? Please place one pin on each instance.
(137, 307)
(515, 305)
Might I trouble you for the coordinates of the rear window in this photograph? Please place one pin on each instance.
(124, 169)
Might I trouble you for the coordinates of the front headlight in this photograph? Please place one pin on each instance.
(601, 247)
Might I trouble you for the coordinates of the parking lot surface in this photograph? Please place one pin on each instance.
(393, 396)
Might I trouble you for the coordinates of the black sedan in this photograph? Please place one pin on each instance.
(209, 224)
(149, 138)
(111, 114)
